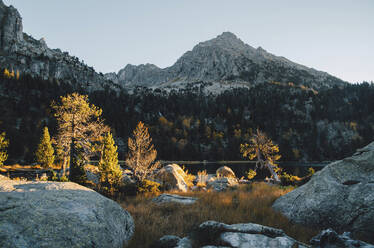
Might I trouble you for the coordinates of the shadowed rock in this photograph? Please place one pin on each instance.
(341, 196)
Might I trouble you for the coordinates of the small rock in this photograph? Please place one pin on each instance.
(225, 171)
(165, 198)
(222, 184)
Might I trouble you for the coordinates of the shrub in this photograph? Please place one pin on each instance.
(3, 145)
(288, 179)
(311, 171)
(251, 174)
(189, 178)
(202, 178)
(148, 186)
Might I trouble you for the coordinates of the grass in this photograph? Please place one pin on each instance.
(250, 203)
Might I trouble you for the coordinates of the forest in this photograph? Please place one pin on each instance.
(189, 124)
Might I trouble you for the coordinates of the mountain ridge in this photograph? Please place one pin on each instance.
(224, 58)
(21, 52)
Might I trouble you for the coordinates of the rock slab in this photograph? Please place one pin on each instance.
(56, 214)
(341, 196)
(166, 198)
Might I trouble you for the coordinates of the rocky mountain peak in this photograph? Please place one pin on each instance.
(224, 59)
(227, 41)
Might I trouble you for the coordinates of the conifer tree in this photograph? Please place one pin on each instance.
(79, 127)
(3, 145)
(110, 171)
(45, 152)
(142, 154)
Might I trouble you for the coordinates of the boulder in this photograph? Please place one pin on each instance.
(56, 214)
(167, 241)
(215, 234)
(330, 239)
(172, 177)
(222, 184)
(171, 241)
(165, 198)
(225, 171)
(340, 196)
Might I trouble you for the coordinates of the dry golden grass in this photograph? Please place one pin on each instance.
(250, 203)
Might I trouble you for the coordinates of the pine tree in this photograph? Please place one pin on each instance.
(142, 153)
(110, 171)
(45, 152)
(79, 127)
(3, 145)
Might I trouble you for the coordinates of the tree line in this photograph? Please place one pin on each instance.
(189, 124)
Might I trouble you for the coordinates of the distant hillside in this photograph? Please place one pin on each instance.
(224, 60)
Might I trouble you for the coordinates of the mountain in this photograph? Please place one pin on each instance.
(21, 52)
(224, 60)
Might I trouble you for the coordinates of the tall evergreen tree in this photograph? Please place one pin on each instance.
(45, 152)
(3, 145)
(110, 171)
(80, 126)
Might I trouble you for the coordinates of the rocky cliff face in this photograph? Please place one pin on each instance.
(225, 59)
(20, 52)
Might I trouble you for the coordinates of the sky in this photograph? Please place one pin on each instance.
(336, 36)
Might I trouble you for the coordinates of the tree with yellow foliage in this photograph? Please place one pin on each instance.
(7, 73)
(3, 145)
(142, 154)
(79, 127)
(262, 148)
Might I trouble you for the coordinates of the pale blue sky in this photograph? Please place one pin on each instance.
(336, 36)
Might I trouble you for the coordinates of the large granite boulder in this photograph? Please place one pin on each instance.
(225, 171)
(55, 214)
(214, 234)
(341, 196)
(172, 177)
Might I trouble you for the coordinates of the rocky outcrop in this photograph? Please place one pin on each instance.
(330, 239)
(20, 52)
(214, 234)
(225, 60)
(341, 196)
(221, 184)
(172, 177)
(167, 198)
(55, 214)
(225, 171)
